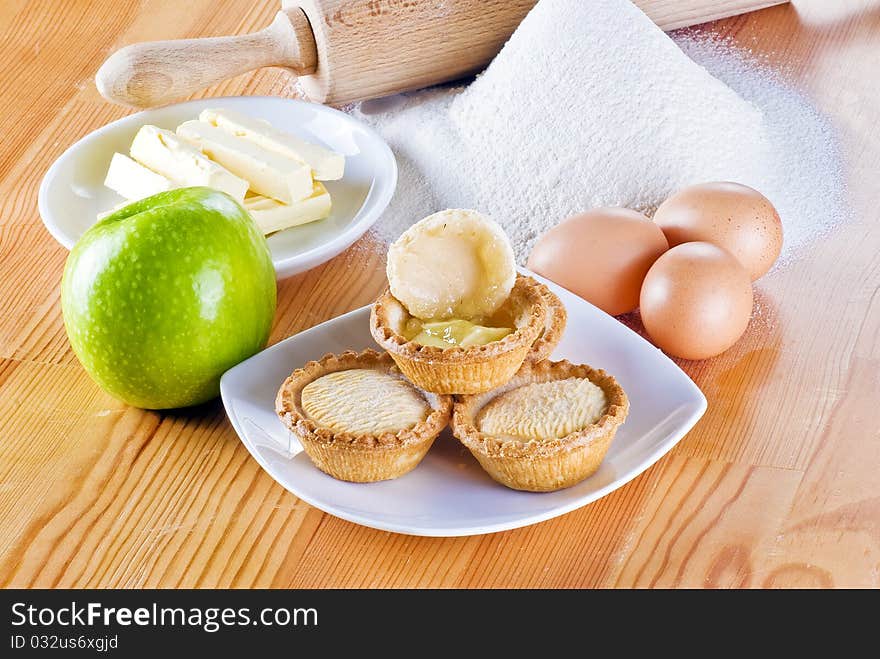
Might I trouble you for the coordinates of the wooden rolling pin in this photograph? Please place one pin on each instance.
(351, 50)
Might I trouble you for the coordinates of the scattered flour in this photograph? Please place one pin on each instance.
(590, 104)
(804, 177)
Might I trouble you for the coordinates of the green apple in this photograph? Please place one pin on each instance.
(164, 295)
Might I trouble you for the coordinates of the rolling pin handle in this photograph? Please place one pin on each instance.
(143, 75)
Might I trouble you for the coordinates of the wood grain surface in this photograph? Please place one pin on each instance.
(776, 487)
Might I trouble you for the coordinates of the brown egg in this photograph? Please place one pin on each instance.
(730, 215)
(601, 255)
(696, 301)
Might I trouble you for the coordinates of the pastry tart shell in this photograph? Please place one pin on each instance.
(554, 327)
(359, 458)
(542, 465)
(458, 370)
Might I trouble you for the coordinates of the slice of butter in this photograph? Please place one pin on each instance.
(452, 264)
(132, 180)
(269, 173)
(272, 216)
(327, 165)
(182, 163)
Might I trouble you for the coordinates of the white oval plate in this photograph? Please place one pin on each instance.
(448, 494)
(72, 192)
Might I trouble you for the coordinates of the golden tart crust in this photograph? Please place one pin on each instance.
(554, 327)
(458, 370)
(542, 464)
(361, 456)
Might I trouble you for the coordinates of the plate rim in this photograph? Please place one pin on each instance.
(700, 404)
(378, 197)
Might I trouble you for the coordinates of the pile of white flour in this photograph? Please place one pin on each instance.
(590, 104)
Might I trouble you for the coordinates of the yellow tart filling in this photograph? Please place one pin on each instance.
(454, 332)
(543, 410)
(364, 401)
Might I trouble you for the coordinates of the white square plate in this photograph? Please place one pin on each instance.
(448, 494)
(72, 192)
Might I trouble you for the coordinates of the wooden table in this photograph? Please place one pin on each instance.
(777, 486)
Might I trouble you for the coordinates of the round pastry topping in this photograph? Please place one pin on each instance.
(364, 401)
(452, 264)
(543, 410)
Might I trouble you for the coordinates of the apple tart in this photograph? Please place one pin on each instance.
(457, 318)
(548, 428)
(462, 368)
(358, 418)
